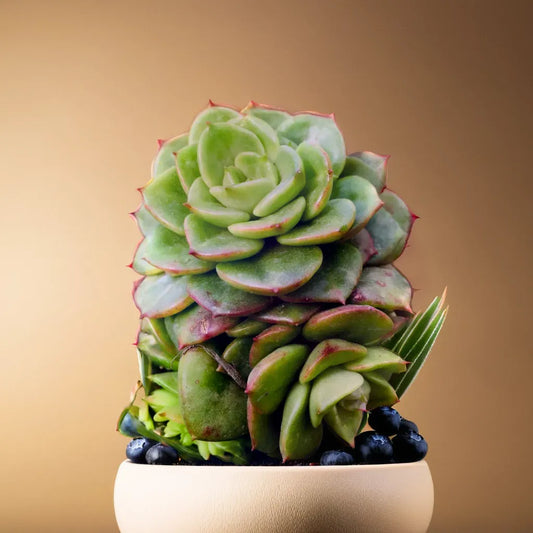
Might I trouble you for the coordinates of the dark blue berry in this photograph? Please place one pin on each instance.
(409, 447)
(372, 448)
(385, 420)
(161, 454)
(406, 426)
(137, 448)
(129, 425)
(336, 457)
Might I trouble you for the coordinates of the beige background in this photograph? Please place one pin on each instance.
(85, 90)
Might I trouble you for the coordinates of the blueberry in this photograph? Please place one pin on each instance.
(161, 454)
(137, 448)
(409, 447)
(336, 457)
(406, 426)
(385, 420)
(129, 425)
(372, 448)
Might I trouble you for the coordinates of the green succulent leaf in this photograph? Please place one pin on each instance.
(219, 145)
(383, 287)
(187, 166)
(156, 327)
(298, 438)
(201, 387)
(139, 264)
(372, 167)
(161, 295)
(377, 358)
(211, 243)
(356, 323)
(165, 158)
(264, 430)
(278, 223)
(237, 353)
(270, 379)
(317, 129)
(330, 225)
(166, 380)
(145, 221)
(169, 251)
(274, 117)
(345, 423)
(278, 270)
(247, 328)
(363, 195)
(336, 278)
(292, 181)
(196, 325)
(381, 392)
(318, 179)
(155, 352)
(229, 451)
(270, 339)
(165, 200)
(328, 353)
(264, 132)
(365, 244)
(222, 299)
(203, 204)
(212, 115)
(288, 313)
(328, 389)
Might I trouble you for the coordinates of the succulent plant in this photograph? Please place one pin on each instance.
(272, 316)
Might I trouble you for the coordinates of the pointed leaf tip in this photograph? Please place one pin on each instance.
(161, 142)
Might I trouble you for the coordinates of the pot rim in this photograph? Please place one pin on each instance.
(316, 467)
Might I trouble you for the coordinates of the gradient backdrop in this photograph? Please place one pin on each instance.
(86, 88)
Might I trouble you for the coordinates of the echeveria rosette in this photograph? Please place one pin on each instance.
(269, 303)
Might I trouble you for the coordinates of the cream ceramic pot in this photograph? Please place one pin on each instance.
(391, 498)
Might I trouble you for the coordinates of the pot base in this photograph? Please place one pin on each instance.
(393, 498)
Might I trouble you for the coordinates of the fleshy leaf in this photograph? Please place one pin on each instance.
(270, 379)
(201, 387)
(336, 278)
(166, 380)
(292, 181)
(165, 200)
(211, 243)
(270, 339)
(368, 165)
(248, 327)
(381, 392)
(271, 115)
(139, 264)
(220, 298)
(278, 223)
(298, 438)
(264, 132)
(277, 270)
(356, 323)
(165, 159)
(211, 115)
(328, 353)
(146, 222)
(161, 295)
(203, 204)
(378, 358)
(318, 179)
(363, 195)
(329, 388)
(288, 313)
(229, 451)
(383, 287)
(187, 166)
(218, 146)
(156, 327)
(156, 353)
(317, 129)
(364, 243)
(170, 252)
(264, 431)
(195, 325)
(237, 353)
(244, 195)
(255, 166)
(344, 423)
(333, 222)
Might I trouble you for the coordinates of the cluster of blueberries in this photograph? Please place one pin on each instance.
(375, 447)
(371, 447)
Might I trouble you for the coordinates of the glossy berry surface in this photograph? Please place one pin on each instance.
(137, 448)
(409, 447)
(336, 457)
(160, 454)
(385, 420)
(406, 426)
(373, 448)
